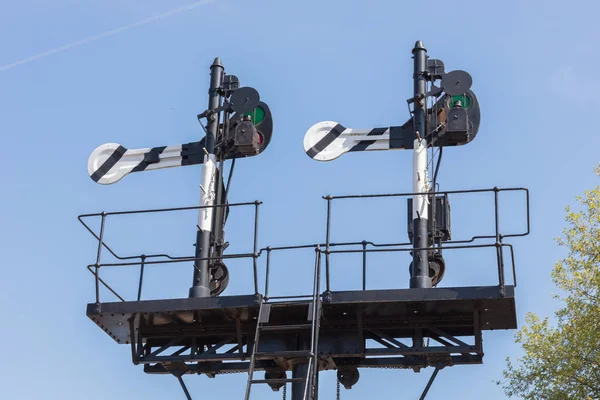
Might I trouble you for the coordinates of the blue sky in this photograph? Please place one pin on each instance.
(532, 65)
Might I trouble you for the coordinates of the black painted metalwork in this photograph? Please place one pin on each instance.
(419, 275)
(201, 281)
(359, 329)
(429, 383)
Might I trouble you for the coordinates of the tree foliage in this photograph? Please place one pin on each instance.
(562, 360)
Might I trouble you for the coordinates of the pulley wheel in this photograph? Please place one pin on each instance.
(437, 269)
(219, 278)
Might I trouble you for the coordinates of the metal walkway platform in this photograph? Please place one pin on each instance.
(167, 330)
(395, 328)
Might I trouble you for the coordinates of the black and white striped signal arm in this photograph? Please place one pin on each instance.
(111, 161)
(327, 140)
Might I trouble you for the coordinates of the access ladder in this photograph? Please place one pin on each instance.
(310, 355)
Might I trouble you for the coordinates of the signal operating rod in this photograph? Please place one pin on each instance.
(201, 283)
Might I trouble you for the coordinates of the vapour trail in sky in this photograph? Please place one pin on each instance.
(105, 34)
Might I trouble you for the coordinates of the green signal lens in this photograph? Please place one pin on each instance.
(257, 115)
(463, 98)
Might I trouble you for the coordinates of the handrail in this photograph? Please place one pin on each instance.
(498, 244)
(328, 247)
(143, 258)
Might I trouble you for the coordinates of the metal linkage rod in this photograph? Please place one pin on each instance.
(185, 390)
(435, 372)
(201, 283)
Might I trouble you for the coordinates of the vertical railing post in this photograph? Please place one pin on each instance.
(364, 261)
(99, 256)
(267, 272)
(255, 253)
(327, 242)
(498, 243)
(142, 264)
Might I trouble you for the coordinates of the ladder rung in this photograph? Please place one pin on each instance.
(283, 354)
(294, 327)
(278, 380)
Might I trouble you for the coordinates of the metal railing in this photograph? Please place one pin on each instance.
(365, 247)
(451, 245)
(95, 268)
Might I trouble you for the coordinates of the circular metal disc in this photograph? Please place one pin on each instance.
(437, 269)
(244, 100)
(220, 279)
(318, 132)
(100, 155)
(456, 82)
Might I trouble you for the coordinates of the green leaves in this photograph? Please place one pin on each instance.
(563, 361)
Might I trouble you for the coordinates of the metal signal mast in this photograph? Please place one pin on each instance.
(208, 333)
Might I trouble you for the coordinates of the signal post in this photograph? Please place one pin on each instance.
(201, 283)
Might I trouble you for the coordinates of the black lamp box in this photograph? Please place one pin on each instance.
(442, 218)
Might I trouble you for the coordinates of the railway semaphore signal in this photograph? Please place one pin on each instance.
(452, 120)
(242, 125)
(292, 338)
